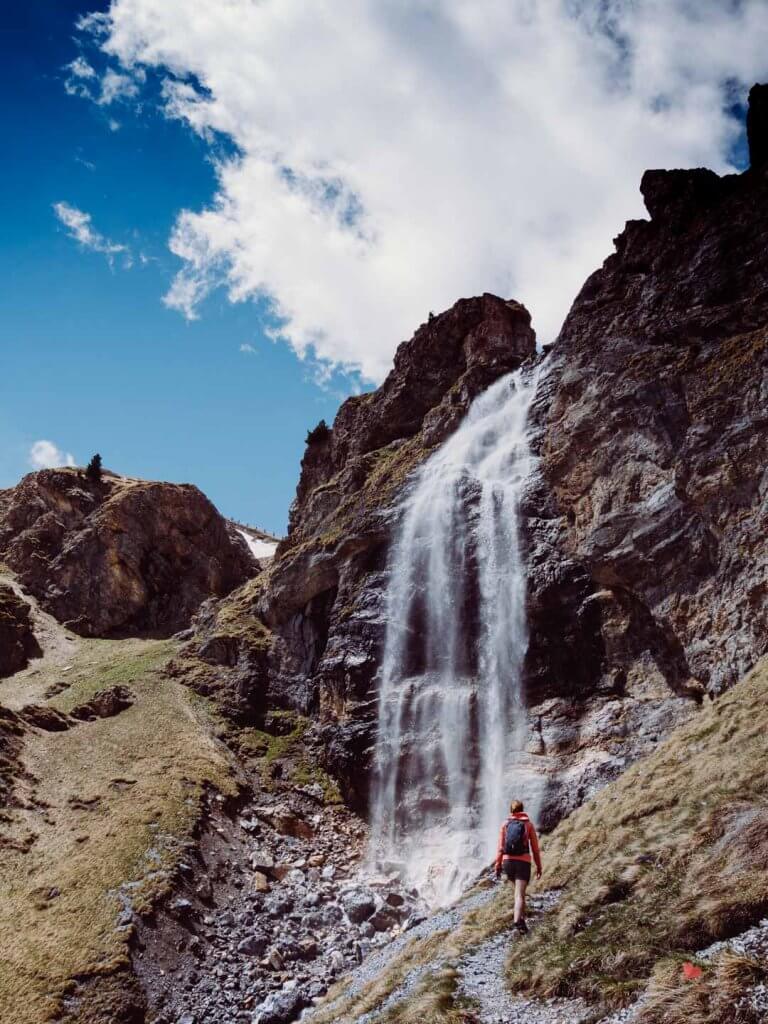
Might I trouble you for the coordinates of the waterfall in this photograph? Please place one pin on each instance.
(451, 715)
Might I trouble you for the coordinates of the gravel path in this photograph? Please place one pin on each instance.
(482, 981)
(481, 973)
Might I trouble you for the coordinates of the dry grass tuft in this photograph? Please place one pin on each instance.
(719, 995)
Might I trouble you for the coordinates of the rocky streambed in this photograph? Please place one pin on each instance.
(269, 908)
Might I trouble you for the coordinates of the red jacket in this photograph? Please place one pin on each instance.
(531, 837)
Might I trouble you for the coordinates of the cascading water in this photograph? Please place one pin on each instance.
(450, 723)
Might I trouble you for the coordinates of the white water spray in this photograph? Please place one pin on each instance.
(451, 715)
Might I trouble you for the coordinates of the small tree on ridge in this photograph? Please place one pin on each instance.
(93, 469)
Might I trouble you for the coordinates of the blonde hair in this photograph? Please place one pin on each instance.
(516, 807)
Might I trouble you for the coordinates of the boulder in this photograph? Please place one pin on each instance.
(358, 905)
(280, 1008)
(253, 945)
(384, 919)
(104, 704)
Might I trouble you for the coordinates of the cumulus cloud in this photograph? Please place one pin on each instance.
(46, 455)
(248, 349)
(80, 227)
(391, 157)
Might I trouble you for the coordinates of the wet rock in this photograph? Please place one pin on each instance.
(384, 919)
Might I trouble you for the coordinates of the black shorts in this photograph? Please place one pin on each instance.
(514, 869)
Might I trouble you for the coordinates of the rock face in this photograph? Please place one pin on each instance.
(17, 638)
(121, 556)
(647, 534)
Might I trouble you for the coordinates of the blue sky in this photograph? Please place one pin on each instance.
(359, 164)
(91, 358)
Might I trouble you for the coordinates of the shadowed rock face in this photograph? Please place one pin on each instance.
(120, 557)
(17, 638)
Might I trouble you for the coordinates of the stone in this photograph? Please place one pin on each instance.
(279, 1008)
(253, 945)
(384, 919)
(307, 949)
(104, 704)
(260, 882)
(275, 960)
(358, 905)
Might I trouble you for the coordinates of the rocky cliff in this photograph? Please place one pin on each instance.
(644, 536)
(119, 556)
(308, 634)
(652, 430)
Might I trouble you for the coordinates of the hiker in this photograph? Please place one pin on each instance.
(517, 840)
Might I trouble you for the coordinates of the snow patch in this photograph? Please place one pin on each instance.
(259, 548)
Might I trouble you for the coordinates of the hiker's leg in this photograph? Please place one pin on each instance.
(520, 886)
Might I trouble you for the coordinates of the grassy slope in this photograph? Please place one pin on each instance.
(106, 803)
(670, 857)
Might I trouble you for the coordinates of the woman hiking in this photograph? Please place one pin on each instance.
(517, 840)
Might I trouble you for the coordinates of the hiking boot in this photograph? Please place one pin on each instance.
(521, 926)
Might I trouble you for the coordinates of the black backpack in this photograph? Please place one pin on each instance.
(515, 838)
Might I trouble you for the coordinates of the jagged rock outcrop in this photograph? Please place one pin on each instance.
(17, 638)
(121, 556)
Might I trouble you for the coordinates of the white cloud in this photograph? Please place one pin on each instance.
(103, 89)
(46, 455)
(248, 349)
(80, 227)
(392, 156)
